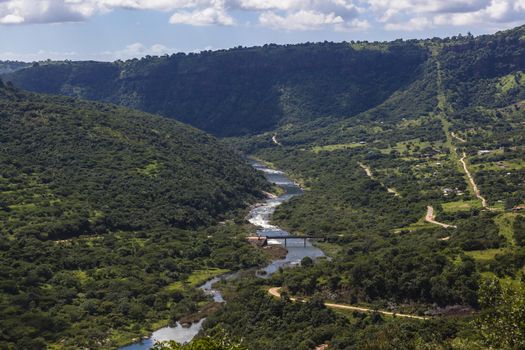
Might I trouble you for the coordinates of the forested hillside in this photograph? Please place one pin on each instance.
(419, 198)
(12, 66)
(72, 167)
(411, 156)
(105, 212)
(244, 90)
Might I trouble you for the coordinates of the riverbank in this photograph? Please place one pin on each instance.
(278, 257)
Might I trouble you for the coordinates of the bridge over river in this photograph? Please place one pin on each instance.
(286, 238)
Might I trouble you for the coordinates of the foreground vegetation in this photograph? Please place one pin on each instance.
(369, 180)
(109, 218)
(409, 125)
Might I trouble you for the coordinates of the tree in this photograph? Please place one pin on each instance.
(307, 261)
(501, 325)
(519, 230)
(218, 340)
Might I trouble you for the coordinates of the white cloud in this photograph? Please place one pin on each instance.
(44, 11)
(134, 50)
(301, 20)
(215, 14)
(130, 51)
(40, 55)
(12, 19)
(409, 15)
(353, 25)
(413, 24)
(401, 15)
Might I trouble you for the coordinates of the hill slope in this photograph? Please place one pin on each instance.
(12, 66)
(241, 91)
(451, 143)
(70, 167)
(105, 213)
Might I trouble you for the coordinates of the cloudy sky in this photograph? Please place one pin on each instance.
(119, 29)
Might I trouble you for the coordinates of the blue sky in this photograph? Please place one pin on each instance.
(120, 29)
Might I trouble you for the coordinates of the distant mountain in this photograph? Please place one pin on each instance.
(243, 90)
(12, 66)
(486, 71)
(251, 90)
(69, 167)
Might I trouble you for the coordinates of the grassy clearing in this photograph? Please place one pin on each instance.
(196, 278)
(513, 282)
(336, 147)
(454, 207)
(505, 165)
(485, 255)
(511, 81)
(27, 206)
(505, 222)
(411, 147)
(152, 169)
(329, 249)
(420, 224)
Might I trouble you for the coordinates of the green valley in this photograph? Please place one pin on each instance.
(406, 158)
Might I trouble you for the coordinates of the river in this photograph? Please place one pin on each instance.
(260, 216)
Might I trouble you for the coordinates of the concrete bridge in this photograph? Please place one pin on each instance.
(304, 238)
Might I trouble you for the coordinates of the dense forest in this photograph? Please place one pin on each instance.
(70, 167)
(369, 180)
(12, 66)
(104, 213)
(240, 91)
(410, 153)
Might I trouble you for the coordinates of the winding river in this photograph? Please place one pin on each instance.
(259, 216)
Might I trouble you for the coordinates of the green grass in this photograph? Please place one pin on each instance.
(503, 166)
(196, 278)
(27, 206)
(485, 255)
(505, 222)
(454, 207)
(410, 146)
(511, 81)
(420, 224)
(152, 169)
(114, 134)
(335, 147)
(329, 249)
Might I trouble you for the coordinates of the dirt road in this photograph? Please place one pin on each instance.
(368, 172)
(457, 137)
(276, 292)
(430, 217)
(472, 182)
(274, 140)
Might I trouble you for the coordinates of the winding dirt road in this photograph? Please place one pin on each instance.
(274, 140)
(457, 137)
(368, 172)
(276, 292)
(430, 217)
(472, 182)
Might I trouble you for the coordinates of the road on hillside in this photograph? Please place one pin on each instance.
(457, 137)
(274, 140)
(276, 292)
(472, 182)
(430, 217)
(368, 172)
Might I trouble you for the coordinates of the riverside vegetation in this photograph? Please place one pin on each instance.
(104, 211)
(428, 102)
